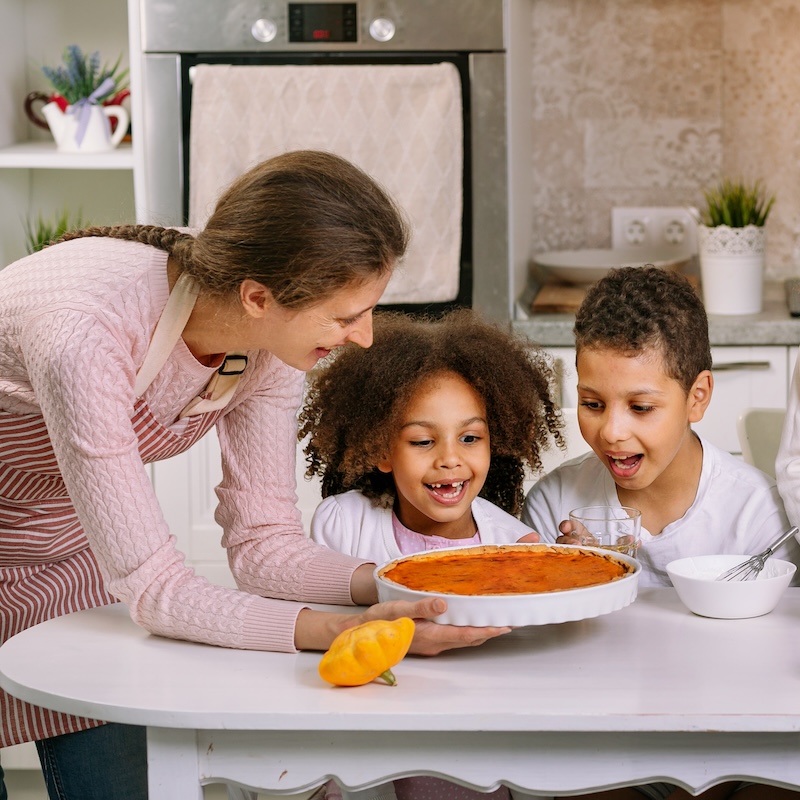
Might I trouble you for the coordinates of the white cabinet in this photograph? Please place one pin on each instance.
(34, 177)
(20, 756)
(185, 485)
(743, 376)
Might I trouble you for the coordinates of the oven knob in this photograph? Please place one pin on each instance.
(264, 30)
(382, 29)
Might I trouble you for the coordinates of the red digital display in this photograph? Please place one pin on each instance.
(323, 22)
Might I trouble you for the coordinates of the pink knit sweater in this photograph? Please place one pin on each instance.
(75, 323)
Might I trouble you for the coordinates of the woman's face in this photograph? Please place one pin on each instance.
(301, 338)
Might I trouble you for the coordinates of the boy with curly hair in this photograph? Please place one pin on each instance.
(644, 376)
(423, 440)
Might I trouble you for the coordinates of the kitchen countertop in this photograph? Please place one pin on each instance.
(773, 326)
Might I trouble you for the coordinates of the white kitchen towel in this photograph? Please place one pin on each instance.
(402, 124)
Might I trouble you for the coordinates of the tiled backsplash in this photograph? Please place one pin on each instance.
(645, 102)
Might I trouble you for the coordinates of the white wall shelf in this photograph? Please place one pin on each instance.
(43, 155)
(36, 179)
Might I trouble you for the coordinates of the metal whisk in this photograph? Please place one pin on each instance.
(749, 569)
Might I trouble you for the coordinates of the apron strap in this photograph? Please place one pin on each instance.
(169, 328)
(220, 388)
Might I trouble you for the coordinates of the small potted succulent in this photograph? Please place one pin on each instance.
(86, 96)
(732, 243)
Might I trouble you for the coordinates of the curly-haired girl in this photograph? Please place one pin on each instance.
(423, 440)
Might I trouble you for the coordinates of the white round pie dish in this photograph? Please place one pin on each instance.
(518, 610)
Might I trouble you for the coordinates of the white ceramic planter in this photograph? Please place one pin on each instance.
(96, 136)
(732, 268)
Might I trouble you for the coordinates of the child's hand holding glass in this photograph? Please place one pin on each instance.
(617, 528)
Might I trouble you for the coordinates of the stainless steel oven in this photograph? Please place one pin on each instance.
(472, 35)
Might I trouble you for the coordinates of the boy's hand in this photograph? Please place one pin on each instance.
(568, 534)
(529, 538)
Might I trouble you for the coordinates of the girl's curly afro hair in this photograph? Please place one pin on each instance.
(355, 402)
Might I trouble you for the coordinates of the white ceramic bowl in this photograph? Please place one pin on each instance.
(524, 609)
(588, 266)
(694, 579)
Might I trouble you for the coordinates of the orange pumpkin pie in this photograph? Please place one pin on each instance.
(505, 569)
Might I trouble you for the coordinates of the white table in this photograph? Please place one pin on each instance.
(650, 692)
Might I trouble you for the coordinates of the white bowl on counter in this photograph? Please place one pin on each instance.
(588, 266)
(695, 581)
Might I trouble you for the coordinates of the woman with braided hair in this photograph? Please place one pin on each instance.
(121, 346)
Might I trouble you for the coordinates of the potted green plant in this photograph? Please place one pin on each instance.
(77, 114)
(731, 241)
(41, 231)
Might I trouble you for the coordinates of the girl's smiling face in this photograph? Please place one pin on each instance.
(637, 418)
(440, 457)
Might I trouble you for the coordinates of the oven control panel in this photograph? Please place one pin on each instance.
(286, 26)
(316, 23)
(323, 22)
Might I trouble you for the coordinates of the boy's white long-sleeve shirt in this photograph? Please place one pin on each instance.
(737, 509)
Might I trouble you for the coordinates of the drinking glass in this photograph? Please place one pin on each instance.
(617, 528)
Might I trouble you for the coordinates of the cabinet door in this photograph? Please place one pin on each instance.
(184, 486)
(743, 377)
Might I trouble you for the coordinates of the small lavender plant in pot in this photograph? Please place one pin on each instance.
(83, 124)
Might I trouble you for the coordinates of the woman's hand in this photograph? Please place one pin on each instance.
(431, 638)
(529, 538)
(315, 630)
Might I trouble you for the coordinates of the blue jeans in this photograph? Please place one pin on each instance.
(105, 763)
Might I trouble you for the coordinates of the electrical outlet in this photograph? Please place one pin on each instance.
(663, 228)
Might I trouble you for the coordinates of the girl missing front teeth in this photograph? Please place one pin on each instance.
(423, 440)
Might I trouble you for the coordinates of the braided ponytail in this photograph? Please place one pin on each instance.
(177, 244)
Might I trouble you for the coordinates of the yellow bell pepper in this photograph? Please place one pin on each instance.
(367, 651)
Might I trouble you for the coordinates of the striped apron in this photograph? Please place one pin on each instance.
(46, 565)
